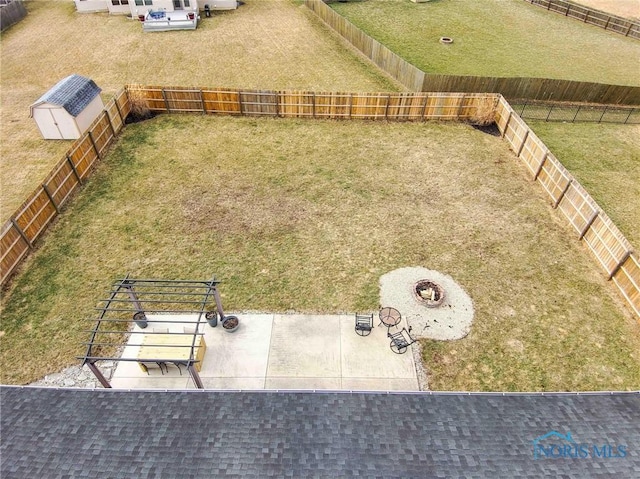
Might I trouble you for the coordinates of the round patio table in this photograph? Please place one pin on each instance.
(390, 317)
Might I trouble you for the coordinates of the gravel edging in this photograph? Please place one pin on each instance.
(451, 320)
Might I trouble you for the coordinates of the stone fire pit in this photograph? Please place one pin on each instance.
(432, 303)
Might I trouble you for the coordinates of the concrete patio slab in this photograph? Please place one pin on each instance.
(241, 354)
(305, 346)
(370, 356)
(279, 351)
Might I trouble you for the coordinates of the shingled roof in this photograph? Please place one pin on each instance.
(57, 433)
(73, 94)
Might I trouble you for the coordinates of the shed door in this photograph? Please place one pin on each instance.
(54, 133)
(65, 124)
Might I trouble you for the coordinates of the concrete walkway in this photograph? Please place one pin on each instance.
(283, 351)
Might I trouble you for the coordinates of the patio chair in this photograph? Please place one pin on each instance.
(364, 324)
(401, 340)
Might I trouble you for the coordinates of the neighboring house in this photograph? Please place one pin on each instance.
(67, 110)
(135, 8)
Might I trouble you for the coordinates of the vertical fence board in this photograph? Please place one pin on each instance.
(607, 243)
(13, 248)
(578, 206)
(627, 278)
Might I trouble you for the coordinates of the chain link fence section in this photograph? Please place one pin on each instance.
(576, 113)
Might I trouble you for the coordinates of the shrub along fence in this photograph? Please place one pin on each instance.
(613, 23)
(511, 88)
(610, 248)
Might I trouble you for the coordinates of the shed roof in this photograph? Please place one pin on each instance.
(201, 434)
(73, 94)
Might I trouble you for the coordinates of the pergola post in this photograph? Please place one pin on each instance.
(99, 376)
(132, 294)
(216, 295)
(195, 376)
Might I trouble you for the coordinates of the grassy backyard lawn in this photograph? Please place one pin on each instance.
(605, 159)
(265, 44)
(507, 38)
(306, 216)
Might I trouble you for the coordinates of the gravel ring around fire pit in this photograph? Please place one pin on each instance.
(451, 320)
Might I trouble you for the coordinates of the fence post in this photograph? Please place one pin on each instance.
(588, 224)
(386, 108)
(523, 108)
(113, 130)
(73, 167)
(424, 107)
(544, 159)
(119, 111)
(95, 147)
(461, 106)
(564, 192)
(576, 115)
(629, 115)
(625, 257)
(24, 236)
(524, 140)
(506, 126)
(602, 116)
(166, 102)
(549, 114)
(204, 108)
(50, 196)
(277, 95)
(313, 105)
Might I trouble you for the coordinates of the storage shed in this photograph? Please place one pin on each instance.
(67, 110)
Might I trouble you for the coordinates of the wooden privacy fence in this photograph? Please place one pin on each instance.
(613, 23)
(11, 12)
(414, 79)
(592, 225)
(29, 222)
(610, 248)
(306, 104)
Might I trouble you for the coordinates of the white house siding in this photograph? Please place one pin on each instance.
(91, 6)
(118, 9)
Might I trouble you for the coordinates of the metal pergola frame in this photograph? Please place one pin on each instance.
(129, 296)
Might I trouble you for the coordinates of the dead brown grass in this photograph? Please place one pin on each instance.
(306, 215)
(622, 8)
(264, 44)
(485, 114)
